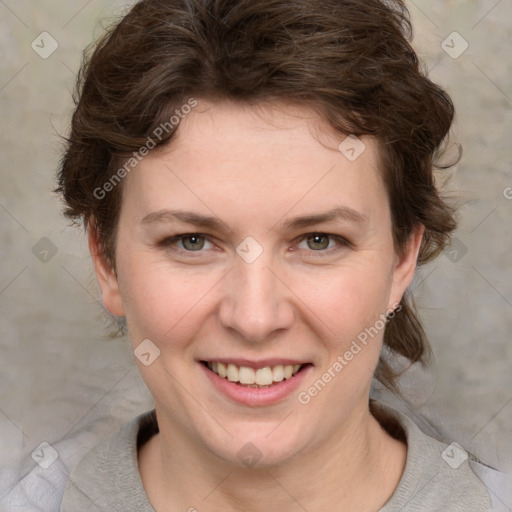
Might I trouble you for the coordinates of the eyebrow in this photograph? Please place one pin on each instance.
(339, 213)
(204, 221)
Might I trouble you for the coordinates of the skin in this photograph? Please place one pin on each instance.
(254, 168)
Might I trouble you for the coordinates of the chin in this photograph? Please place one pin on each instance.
(258, 446)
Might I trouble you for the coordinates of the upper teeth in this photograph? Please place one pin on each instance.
(261, 376)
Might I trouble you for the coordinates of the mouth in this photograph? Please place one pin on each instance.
(255, 376)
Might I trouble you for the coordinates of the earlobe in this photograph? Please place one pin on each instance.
(105, 275)
(405, 265)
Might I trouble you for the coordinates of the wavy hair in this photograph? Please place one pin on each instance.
(349, 60)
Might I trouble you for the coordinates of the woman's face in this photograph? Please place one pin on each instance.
(291, 262)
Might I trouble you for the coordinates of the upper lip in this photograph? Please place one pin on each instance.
(256, 364)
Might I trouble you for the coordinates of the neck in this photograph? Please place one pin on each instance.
(357, 469)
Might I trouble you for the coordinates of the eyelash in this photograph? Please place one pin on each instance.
(170, 241)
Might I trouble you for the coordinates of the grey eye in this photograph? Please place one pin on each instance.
(318, 242)
(193, 242)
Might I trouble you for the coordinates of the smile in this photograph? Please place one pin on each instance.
(255, 383)
(253, 377)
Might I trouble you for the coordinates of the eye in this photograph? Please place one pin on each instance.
(318, 241)
(321, 242)
(193, 242)
(190, 242)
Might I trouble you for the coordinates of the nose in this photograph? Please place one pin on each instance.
(256, 302)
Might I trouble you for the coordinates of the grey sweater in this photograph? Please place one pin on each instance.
(437, 477)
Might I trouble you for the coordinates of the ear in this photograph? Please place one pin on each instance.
(105, 274)
(405, 266)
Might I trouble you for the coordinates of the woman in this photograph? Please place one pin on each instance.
(256, 180)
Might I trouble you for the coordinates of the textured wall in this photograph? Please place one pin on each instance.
(60, 374)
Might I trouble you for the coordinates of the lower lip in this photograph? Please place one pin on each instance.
(256, 397)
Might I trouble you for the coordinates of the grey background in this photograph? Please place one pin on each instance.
(60, 374)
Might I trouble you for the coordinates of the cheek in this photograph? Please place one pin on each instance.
(347, 299)
(163, 303)
(350, 306)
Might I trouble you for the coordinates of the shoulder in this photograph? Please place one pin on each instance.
(437, 476)
(107, 478)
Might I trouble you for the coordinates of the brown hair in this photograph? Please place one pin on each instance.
(350, 60)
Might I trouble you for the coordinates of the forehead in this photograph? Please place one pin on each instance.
(258, 158)
(244, 129)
